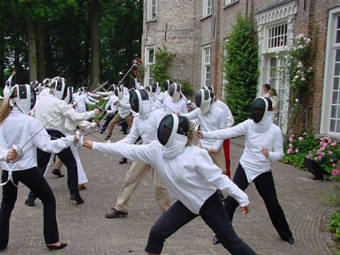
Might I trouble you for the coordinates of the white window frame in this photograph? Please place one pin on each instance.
(331, 48)
(151, 10)
(230, 2)
(284, 14)
(208, 8)
(206, 64)
(148, 80)
(274, 36)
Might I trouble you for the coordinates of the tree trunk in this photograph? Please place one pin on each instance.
(40, 51)
(32, 50)
(94, 45)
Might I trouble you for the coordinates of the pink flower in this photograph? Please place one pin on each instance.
(290, 145)
(296, 150)
(333, 144)
(316, 158)
(321, 143)
(289, 151)
(301, 139)
(322, 148)
(291, 139)
(336, 171)
(331, 160)
(333, 165)
(330, 152)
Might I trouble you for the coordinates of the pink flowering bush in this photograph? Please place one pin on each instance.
(298, 147)
(327, 155)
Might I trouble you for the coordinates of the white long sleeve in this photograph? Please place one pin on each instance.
(135, 152)
(237, 130)
(3, 154)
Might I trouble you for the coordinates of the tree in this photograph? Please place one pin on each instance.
(241, 68)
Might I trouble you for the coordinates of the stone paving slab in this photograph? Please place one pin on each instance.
(88, 232)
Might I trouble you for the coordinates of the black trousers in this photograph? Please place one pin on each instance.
(265, 187)
(66, 156)
(107, 121)
(33, 180)
(213, 214)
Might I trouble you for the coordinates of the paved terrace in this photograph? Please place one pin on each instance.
(88, 232)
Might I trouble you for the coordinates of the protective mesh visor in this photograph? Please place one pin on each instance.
(173, 88)
(164, 129)
(117, 92)
(148, 88)
(183, 125)
(27, 98)
(134, 101)
(200, 96)
(154, 87)
(69, 96)
(257, 109)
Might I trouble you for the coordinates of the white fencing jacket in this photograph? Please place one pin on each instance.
(145, 126)
(175, 107)
(218, 117)
(124, 106)
(252, 160)
(81, 101)
(190, 177)
(53, 112)
(17, 129)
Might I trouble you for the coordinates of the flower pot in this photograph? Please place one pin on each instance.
(315, 169)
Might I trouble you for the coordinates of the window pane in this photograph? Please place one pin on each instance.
(332, 128)
(335, 98)
(337, 36)
(338, 112)
(337, 69)
(337, 58)
(338, 126)
(338, 26)
(336, 83)
(151, 56)
(333, 112)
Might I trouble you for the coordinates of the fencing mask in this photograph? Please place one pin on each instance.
(175, 91)
(155, 88)
(203, 100)
(119, 92)
(140, 101)
(259, 108)
(25, 97)
(58, 84)
(171, 125)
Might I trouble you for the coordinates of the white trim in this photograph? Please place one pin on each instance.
(149, 7)
(278, 13)
(148, 64)
(205, 64)
(207, 11)
(328, 75)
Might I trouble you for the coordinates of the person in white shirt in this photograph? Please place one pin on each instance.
(111, 109)
(263, 145)
(190, 177)
(145, 126)
(124, 111)
(175, 101)
(265, 89)
(82, 99)
(24, 133)
(53, 112)
(212, 116)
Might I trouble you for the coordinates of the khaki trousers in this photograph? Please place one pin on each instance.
(219, 159)
(115, 120)
(133, 177)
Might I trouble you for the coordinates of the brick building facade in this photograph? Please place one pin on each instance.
(197, 30)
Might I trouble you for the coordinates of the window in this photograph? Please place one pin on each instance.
(206, 67)
(277, 36)
(151, 9)
(149, 60)
(207, 7)
(230, 2)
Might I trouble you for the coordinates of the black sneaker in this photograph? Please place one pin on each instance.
(29, 202)
(116, 214)
(77, 198)
(123, 161)
(215, 241)
(57, 173)
(107, 138)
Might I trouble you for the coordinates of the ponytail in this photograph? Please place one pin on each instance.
(5, 109)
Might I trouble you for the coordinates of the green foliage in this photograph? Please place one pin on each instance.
(333, 199)
(186, 88)
(159, 70)
(241, 68)
(334, 225)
